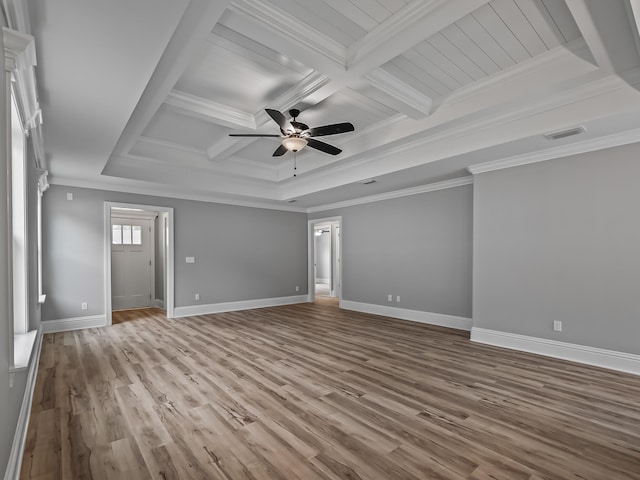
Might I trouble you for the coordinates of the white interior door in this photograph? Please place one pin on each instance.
(132, 273)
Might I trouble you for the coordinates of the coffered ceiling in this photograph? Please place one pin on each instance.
(142, 96)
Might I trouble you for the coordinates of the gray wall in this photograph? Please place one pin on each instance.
(241, 253)
(418, 247)
(559, 240)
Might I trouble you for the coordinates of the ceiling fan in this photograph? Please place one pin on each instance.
(295, 135)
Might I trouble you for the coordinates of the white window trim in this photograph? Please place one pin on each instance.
(43, 186)
(19, 62)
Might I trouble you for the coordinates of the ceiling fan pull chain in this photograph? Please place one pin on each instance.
(295, 165)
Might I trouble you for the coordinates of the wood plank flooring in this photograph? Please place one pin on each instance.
(121, 316)
(313, 392)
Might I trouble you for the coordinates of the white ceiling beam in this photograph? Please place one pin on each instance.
(214, 111)
(607, 31)
(195, 26)
(634, 16)
(383, 80)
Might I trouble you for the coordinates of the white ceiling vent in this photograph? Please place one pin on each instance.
(565, 133)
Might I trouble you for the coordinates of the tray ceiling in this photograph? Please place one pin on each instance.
(431, 86)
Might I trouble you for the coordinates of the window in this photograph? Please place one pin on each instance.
(126, 234)
(19, 223)
(24, 119)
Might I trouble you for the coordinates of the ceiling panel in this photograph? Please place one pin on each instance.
(174, 127)
(496, 36)
(324, 18)
(237, 71)
(346, 106)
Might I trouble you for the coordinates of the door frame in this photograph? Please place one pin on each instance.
(169, 270)
(311, 245)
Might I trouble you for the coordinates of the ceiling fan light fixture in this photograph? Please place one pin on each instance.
(294, 144)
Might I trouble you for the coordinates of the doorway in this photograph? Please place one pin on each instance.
(138, 258)
(133, 258)
(325, 263)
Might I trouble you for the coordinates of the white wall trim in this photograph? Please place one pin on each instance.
(621, 361)
(192, 310)
(440, 319)
(405, 192)
(76, 323)
(20, 436)
(592, 145)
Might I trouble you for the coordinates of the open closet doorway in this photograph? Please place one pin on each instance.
(138, 258)
(325, 264)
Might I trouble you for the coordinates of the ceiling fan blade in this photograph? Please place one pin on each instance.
(330, 129)
(254, 135)
(323, 147)
(281, 120)
(281, 150)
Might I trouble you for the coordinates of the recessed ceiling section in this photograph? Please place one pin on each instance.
(431, 86)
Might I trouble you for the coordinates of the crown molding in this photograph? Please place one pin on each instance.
(601, 143)
(224, 114)
(430, 187)
(399, 90)
(290, 27)
(161, 191)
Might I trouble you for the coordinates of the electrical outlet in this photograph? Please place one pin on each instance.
(557, 325)
(197, 296)
(398, 298)
(190, 259)
(297, 288)
(84, 306)
(390, 297)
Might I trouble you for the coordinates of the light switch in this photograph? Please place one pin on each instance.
(190, 260)
(69, 196)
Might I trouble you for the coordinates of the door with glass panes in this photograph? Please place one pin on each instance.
(131, 263)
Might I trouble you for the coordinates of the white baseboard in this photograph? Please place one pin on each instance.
(621, 361)
(159, 303)
(77, 323)
(20, 436)
(235, 306)
(451, 321)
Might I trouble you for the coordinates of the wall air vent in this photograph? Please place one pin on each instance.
(565, 133)
(368, 181)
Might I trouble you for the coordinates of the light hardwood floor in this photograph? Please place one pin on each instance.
(121, 316)
(310, 391)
